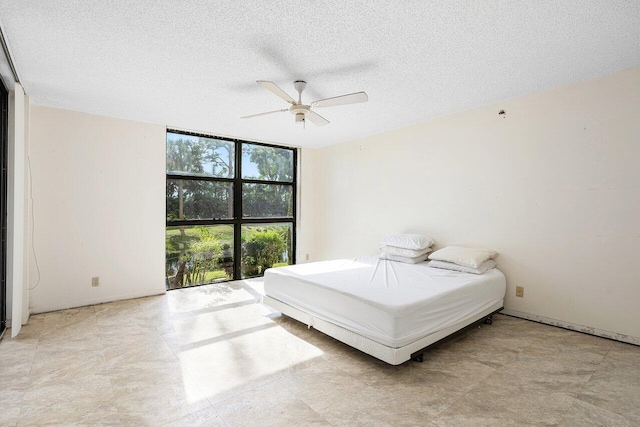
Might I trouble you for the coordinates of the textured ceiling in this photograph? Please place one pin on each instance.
(193, 64)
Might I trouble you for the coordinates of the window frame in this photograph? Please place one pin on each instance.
(238, 221)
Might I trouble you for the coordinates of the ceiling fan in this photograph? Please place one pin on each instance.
(301, 111)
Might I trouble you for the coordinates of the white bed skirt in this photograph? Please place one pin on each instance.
(393, 356)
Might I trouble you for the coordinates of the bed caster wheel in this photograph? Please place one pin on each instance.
(488, 320)
(419, 358)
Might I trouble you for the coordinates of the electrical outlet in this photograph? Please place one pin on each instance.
(307, 257)
(520, 291)
(95, 281)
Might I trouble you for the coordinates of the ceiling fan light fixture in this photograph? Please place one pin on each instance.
(299, 110)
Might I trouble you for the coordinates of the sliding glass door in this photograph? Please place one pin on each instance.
(230, 208)
(4, 135)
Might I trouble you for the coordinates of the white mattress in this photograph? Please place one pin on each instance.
(388, 302)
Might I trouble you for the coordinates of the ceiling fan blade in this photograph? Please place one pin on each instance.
(264, 114)
(317, 119)
(352, 98)
(271, 86)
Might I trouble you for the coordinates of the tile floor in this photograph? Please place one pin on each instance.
(213, 356)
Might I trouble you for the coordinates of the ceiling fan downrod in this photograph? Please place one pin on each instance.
(299, 85)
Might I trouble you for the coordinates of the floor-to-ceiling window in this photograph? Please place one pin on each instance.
(230, 208)
(4, 134)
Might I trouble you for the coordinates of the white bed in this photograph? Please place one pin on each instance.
(388, 309)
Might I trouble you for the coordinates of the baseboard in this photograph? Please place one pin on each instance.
(102, 300)
(573, 326)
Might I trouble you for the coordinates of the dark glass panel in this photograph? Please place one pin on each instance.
(192, 199)
(265, 246)
(267, 200)
(267, 163)
(200, 156)
(197, 255)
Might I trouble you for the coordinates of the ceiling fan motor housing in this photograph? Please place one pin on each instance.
(300, 112)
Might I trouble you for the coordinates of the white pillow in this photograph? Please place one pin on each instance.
(407, 241)
(403, 258)
(469, 257)
(487, 265)
(410, 253)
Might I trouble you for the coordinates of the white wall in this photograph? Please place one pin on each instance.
(554, 186)
(26, 202)
(309, 205)
(99, 208)
(17, 298)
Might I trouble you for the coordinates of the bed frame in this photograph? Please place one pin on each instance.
(391, 355)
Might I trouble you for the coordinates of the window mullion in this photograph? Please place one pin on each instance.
(237, 213)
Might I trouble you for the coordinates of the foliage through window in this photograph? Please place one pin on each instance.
(230, 209)
(267, 163)
(265, 246)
